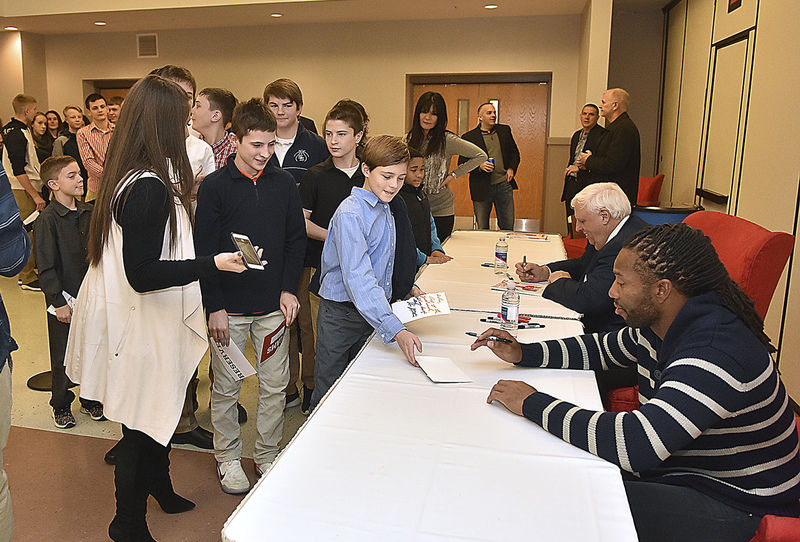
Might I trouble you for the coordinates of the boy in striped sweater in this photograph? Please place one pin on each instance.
(713, 445)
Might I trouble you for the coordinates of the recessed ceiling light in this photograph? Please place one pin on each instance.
(490, 6)
(100, 23)
(11, 28)
(276, 15)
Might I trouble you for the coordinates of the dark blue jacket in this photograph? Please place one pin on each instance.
(307, 151)
(270, 214)
(15, 249)
(590, 296)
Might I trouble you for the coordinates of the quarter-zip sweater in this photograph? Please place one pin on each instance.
(713, 412)
(269, 212)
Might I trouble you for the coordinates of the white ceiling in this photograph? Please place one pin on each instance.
(293, 12)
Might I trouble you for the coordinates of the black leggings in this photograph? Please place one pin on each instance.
(444, 226)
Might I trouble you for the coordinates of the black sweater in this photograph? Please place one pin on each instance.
(142, 212)
(270, 214)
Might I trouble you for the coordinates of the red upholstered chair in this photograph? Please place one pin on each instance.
(649, 191)
(777, 528)
(574, 247)
(754, 257)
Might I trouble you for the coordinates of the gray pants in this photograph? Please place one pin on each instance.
(341, 332)
(502, 196)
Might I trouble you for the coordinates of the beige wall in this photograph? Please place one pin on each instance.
(34, 74)
(11, 68)
(684, 97)
(635, 65)
(369, 62)
(595, 46)
(768, 188)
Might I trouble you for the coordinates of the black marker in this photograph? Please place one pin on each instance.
(498, 339)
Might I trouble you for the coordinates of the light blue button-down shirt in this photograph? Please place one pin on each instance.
(358, 258)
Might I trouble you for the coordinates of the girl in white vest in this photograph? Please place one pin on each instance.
(138, 330)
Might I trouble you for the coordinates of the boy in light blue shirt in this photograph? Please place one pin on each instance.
(369, 252)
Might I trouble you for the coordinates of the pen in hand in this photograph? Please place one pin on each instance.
(498, 339)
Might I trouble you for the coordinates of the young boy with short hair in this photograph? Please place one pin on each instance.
(22, 165)
(62, 235)
(296, 148)
(250, 196)
(211, 115)
(324, 187)
(93, 142)
(429, 248)
(368, 260)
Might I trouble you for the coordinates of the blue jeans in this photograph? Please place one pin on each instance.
(502, 196)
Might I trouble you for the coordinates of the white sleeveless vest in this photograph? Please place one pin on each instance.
(135, 352)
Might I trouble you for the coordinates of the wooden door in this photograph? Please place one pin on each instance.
(523, 106)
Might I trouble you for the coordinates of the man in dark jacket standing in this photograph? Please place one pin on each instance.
(618, 158)
(588, 138)
(493, 181)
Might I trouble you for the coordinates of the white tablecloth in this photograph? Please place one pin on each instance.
(390, 456)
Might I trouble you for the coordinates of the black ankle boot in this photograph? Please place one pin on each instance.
(123, 529)
(169, 501)
(161, 486)
(131, 485)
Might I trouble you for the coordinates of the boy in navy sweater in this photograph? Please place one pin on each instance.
(251, 197)
(713, 444)
(296, 150)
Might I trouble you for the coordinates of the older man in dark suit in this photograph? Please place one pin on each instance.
(492, 183)
(619, 156)
(603, 214)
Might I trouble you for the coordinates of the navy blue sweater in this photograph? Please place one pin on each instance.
(713, 412)
(270, 214)
(307, 151)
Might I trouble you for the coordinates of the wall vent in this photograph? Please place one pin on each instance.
(146, 45)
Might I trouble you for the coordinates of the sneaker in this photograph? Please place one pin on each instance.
(292, 399)
(63, 418)
(31, 286)
(232, 478)
(95, 411)
(261, 468)
(305, 407)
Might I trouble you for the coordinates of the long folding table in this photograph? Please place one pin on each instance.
(390, 456)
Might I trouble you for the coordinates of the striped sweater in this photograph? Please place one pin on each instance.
(713, 412)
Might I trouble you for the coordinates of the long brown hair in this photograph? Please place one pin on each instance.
(149, 136)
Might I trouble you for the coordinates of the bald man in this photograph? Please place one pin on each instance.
(618, 157)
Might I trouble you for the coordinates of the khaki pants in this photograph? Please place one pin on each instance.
(188, 421)
(272, 373)
(315, 299)
(26, 207)
(307, 334)
(6, 517)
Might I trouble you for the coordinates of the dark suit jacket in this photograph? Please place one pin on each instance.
(479, 180)
(590, 297)
(573, 185)
(618, 158)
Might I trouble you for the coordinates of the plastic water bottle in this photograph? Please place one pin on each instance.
(509, 309)
(501, 256)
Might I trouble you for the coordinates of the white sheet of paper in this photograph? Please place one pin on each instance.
(442, 370)
(422, 306)
(233, 360)
(70, 301)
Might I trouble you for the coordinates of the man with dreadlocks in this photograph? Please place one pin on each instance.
(713, 445)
